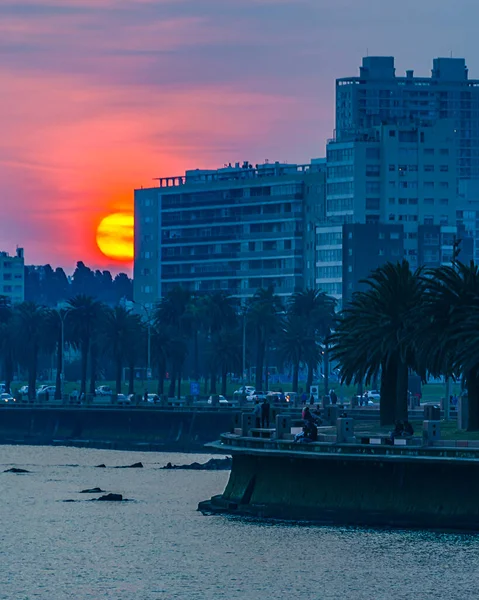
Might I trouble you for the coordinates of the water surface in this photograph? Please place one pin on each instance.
(159, 546)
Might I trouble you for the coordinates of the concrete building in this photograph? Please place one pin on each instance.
(235, 229)
(12, 276)
(379, 96)
(401, 174)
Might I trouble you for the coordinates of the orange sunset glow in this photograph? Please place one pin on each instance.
(100, 96)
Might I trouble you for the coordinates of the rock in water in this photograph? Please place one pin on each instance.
(137, 465)
(95, 490)
(15, 470)
(110, 498)
(102, 466)
(214, 464)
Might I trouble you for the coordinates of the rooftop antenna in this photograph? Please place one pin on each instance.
(367, 51)
(451, 53)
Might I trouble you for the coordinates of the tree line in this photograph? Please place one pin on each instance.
(204, 336)
(49, 286)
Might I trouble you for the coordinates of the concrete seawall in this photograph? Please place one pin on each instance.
(397, 490)
(121, 428)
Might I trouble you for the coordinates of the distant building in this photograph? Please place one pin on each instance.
(378, 96)
(12, 276)
(234, 229)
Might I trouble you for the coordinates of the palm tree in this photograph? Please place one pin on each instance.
(84, 316)
(377, 333)
(54, 323)
(120, 327)
(263, 319)
(297, 346)
(318, 310)
(225, 353)
(30, 328)
(448, 328)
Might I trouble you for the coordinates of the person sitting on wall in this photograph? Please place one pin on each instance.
(310, 432)
(408, 430)
(397, 431)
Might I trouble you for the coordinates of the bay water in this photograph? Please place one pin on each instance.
(157, 546)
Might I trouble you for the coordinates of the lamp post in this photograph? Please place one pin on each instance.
(244, 344)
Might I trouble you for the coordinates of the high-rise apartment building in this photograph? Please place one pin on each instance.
(12, 276)
(390, 174)
(379, 96)
(235, 229)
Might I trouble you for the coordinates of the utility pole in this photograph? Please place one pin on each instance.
(244, 345)
(447, 404)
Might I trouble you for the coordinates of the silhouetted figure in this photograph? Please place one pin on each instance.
(265, 413)
(145, 396)
(333, 397)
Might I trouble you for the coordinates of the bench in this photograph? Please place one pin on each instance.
(259, 432)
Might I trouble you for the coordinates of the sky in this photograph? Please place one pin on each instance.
(98, 97)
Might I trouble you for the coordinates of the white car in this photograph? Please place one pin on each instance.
(47, 390)
(6, 398)
(245, 389)
(104, 390)
(123, 399)
(373, 395)
(221, 400)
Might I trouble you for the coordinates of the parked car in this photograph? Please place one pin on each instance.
(48, 391)
(373, 395)
(103, 390)
(220, 399)
(153, 399)
(5, 397)
(123, 399)
(245, 389)
(23, 390)
(259, 396)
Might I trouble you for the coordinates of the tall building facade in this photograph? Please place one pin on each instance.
(234, 229)
(12, 276)
(390, 174)
(378, 96)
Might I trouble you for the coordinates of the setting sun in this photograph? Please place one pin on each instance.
(114, 236)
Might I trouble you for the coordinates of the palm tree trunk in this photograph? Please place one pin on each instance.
(196, 357)
(309, 380)
(85, 350)
(93, 367)
(131, 378)
(472, 384)
(118, 375)
(401, 413)
(326, 369)
(224, 378)
(58, 378)
(161, 378)
(179, 384)
(295, 377)
(387, 403)
(8, 369)
(32, 373)
(266, 370)
(213, 382)
(171, 390)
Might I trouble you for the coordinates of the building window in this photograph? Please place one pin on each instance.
(392, 184)
(392, 167)
(444, 201)
(444, 184)
(392, 200)
(429, 220)
(287, 244)
(373, 187)
(372, 170)
(392, 217)
(402, 201)
(394, 235)
(428, 200)
(429, 151)
(412, 201)
(429, 184)
(444, 220)
(429, 168)
(444, 168)
(372, 203)
(444, 151)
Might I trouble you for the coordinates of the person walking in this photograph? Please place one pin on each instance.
(265, 413)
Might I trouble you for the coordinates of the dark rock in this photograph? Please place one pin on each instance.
(101, 466)
(69, 500)
(137, 465)
(214, 464)
(110, 498)
(95, 490)
(15, 470)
